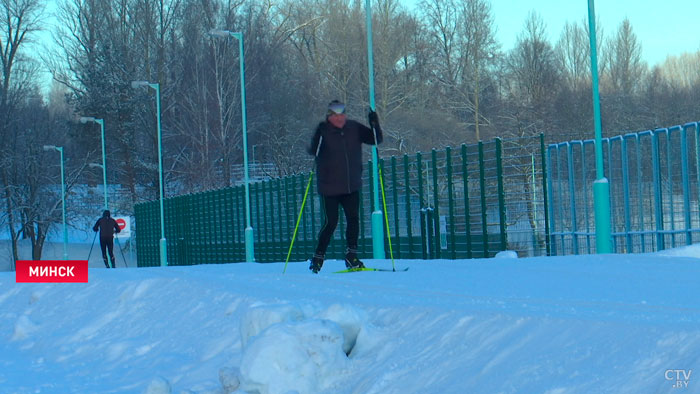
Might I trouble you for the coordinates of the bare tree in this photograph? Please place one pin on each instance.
(682, 71)
(20, 19)
(532, 66)
(622, 80)
(481, 51)
(623, 58)
(573, 55)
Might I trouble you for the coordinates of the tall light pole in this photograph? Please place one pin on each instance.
(377, 216)
(601, 186)
(249, 242)
(63, 198)
(163, 245)
(101, 122)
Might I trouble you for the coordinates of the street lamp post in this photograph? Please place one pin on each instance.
(377, 215)
(601, 186)
(249, 242)
(163, 245)
(63, 198)
(101, 122)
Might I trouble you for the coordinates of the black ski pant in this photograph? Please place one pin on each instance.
(329, 207)
(107, 244)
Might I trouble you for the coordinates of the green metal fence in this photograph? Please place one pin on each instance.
(654, 187)
(468, 202)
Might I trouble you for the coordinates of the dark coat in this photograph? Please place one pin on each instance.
(106, 226)
(339, 161)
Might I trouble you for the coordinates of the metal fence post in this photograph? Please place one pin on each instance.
(436, 207)
(501, 194)
(451, 202)
(467, 213)
(658, 205)
(545, 196)
(686, 184)
(409, 223)
(395, 194)
(669, 177)
(484, 215)
(626, 194)
(572, 197)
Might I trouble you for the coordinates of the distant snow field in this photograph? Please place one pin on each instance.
(578, 324)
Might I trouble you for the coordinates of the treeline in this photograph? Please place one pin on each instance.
(441, 78)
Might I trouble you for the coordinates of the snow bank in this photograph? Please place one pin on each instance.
(292, 347)
(569, 325)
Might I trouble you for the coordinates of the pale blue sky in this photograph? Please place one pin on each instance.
(667, 27)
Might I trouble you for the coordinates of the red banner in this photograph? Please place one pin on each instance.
(52, 271)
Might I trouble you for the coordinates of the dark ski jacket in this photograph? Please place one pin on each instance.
(339, 161)
(107, 227)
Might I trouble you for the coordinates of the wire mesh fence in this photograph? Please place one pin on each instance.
(468, 202)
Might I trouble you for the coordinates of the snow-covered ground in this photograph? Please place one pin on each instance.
(582, 324)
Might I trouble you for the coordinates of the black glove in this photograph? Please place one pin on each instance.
(373, 118)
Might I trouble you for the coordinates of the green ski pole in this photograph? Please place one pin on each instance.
(301, 211)
(381, 183)
(386, 219)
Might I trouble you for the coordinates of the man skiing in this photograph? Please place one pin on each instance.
(337, 144)
(107, 228)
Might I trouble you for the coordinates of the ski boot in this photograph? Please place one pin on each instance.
(351, 260)
(316, 263)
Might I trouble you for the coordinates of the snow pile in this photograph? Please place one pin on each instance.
(286, 348)
(507, 254)
(683, 251)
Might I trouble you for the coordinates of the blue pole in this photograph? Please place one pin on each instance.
(249, 240)
(377, 224)
(163, 243)
(248, 234)
(601, 187)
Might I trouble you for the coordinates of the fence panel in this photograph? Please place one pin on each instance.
(454, 203)
(654, 189)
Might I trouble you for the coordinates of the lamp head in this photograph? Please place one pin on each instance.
(219, 33)
(139, 84)
(49, 147)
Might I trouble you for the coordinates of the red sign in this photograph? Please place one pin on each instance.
(121, 223)
(52, 271)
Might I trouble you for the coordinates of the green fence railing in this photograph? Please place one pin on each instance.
(469, 202)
